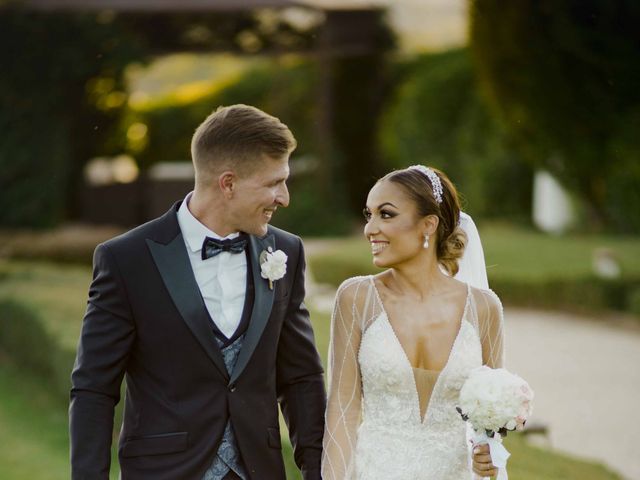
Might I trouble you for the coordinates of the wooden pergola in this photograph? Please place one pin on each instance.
(347, 27)
(156, 6)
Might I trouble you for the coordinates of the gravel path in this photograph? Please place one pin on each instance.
(586, 376)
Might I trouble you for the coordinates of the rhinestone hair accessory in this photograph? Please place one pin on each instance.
(436, 184)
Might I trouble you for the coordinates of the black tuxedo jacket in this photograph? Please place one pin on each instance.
(147, 321)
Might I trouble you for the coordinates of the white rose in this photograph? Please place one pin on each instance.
(273, 265)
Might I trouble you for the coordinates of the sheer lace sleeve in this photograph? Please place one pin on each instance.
(344, 386)
(490, 321)
(490, 328)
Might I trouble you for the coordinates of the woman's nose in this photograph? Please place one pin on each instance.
(370, 228)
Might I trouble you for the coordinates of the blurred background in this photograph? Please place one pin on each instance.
(530, 106)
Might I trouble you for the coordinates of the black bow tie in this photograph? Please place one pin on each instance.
(212, 246)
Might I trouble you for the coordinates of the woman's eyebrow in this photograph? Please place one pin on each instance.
(385, 204)
(381, 206)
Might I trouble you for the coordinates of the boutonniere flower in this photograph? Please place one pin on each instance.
(273, 265)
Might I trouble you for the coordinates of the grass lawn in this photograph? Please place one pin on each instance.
(33, 428)
(34, 423)
(33, 419)
(530, 255)
(528, 462)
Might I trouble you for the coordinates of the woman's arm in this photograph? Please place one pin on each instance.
(345, 388)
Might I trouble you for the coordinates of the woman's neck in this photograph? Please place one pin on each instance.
(420, 278)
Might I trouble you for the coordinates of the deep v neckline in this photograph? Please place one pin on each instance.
(422, 419)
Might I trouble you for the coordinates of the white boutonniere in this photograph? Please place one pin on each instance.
(273, 265)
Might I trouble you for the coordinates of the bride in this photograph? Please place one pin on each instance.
(404, 341)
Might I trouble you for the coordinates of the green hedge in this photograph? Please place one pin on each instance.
(39, 323)
(633, 299)
(584, 295)
(24, 336)
(73, 245)
(525, 268)
(588, 294)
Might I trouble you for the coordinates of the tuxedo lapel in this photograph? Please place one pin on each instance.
(173, 263)
(262, 304)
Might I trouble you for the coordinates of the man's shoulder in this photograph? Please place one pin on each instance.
(289, 238)
(162, 228)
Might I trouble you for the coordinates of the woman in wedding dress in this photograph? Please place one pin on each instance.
(404, 341)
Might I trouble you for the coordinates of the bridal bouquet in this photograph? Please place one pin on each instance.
(494, 401)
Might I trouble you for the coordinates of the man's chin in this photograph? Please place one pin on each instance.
(258, 231)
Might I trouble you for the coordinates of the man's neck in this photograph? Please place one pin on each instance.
(200, 206)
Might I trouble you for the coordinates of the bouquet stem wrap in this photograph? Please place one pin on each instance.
(499, 454)
(494, 400)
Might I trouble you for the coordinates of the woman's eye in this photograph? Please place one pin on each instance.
(386, 215)
(367, 214)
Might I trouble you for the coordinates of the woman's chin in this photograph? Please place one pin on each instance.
(378, 262)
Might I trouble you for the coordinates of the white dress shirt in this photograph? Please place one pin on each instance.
(222, 279)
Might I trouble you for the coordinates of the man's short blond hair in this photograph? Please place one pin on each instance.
(234, 138)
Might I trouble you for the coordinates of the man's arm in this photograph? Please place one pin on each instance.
(105, 341)
(300, 387)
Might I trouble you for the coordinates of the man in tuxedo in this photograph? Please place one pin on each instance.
(181, 308)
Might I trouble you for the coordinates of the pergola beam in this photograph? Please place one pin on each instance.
(158, 6)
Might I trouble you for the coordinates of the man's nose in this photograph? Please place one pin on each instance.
(282, 198)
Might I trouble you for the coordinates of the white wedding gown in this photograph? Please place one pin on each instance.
(386, 419)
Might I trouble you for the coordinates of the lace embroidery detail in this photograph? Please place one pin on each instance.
(374, 427)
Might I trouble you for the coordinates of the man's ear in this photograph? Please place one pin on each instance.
(226, 183)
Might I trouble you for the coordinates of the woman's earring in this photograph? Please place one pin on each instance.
(426, 241)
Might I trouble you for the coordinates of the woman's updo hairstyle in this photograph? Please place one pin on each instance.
(451, 239)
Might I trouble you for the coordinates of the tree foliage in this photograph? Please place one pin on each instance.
(286, 89)
(437, 118)
(61, 93)
(563, 76)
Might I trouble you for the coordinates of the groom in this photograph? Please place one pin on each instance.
(180, 307)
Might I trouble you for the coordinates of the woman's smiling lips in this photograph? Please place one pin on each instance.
(378, 246)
